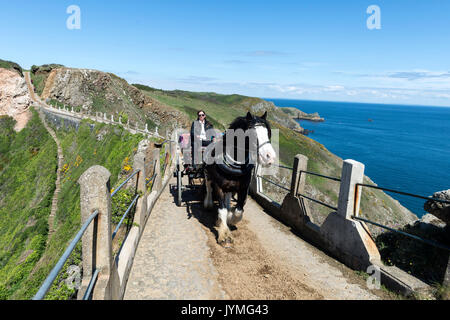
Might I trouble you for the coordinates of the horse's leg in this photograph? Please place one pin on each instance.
(208, 202)
(224, 233)
(238, 212)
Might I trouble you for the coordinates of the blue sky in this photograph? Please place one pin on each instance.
(318, 50)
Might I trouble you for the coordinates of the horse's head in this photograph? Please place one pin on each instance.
(266, 153)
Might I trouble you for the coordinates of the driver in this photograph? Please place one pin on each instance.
(200, 129)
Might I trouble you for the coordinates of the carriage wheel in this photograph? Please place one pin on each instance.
(179, 186)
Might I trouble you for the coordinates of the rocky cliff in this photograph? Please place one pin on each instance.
(274, 114)
(14, 97)
(96, 91)
(295, 113)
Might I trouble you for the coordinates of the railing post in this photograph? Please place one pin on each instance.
(298, 179)
(256, 183)
(157, 184)
(294, 210)
(139, 164)
(95, 194)
(349, 200)
(347, 238)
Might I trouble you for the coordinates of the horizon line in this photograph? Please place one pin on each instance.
(357, 102)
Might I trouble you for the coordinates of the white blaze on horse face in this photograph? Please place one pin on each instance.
(267, 155)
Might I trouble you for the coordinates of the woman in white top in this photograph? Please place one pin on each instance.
(200, 129)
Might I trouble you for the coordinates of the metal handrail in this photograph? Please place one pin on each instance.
(432, 243)
(123, 183)
(124, 215)
(284, 167)
(87, 294)
(320, 175)
(441, 246)
(57, 268)
(317, 201)
(274, 183)
(151, 179)
(403, 193)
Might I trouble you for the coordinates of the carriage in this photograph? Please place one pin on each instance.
(230, 175)
(185, 167)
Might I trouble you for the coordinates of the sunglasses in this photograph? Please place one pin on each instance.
(201, 115)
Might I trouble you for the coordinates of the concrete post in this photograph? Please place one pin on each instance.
(294, 209)
(120, 120)
(349, 239)
(157, 184)
(112, 119)
(352, 173)
(95, 194)
(256, 183)
(139, 164)
(298, 179)
(446, 281)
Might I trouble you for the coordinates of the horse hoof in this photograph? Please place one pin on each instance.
(227, 243)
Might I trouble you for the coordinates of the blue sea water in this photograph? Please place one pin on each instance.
(404, 148)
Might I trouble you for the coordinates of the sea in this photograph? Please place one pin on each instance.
(403, 147)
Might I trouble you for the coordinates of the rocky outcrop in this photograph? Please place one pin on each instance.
(439, 209)
(93, 91)
(295, 113)
(14, 97)
(259, 107)
(11, 66)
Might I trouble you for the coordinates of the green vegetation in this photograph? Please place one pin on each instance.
(98, 144)
(39, 75)
(221, 109)
(27, 183)
(38, 80)
(422, 260)
(11, 66)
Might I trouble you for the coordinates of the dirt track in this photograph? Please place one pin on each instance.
(178, 258)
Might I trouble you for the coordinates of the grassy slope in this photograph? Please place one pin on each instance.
(21, 279)
(11, 66)
(26, 189)
(221, 110)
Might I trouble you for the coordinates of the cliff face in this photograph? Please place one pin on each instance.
(295, 113)
(275, 114)
(93, 90)
(14, 97)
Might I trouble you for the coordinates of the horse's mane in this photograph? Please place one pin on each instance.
(242, 123)
(239, 123)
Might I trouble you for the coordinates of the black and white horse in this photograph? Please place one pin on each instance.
(246, 142)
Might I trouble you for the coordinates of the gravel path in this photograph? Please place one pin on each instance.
(178, 258)
(172, 260)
